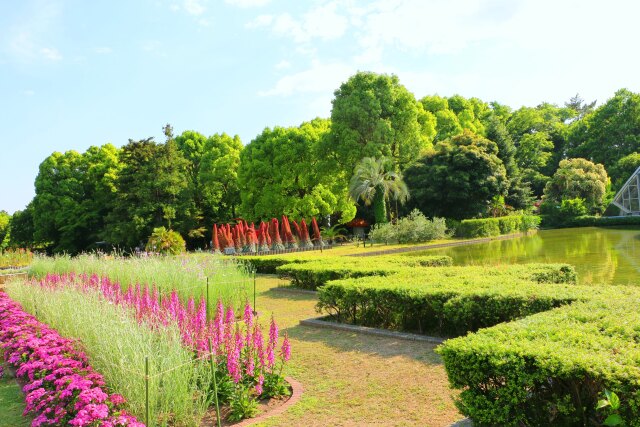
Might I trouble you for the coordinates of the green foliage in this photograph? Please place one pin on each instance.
(280, 174)
(22, 228)
(579, 179)
(450, 300)
(150, 181)
(611, 132)
(165, 242)
(373, 181)
(488, 227)
(414, 228)
(610, 404)
(588, 221)
(456, 114)
(373, 115)
(623, 168)
(457, 179)
(550, 368)
(243, 405)
(315, 273)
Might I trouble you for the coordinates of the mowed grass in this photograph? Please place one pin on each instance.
(351, 379)
(11, 403)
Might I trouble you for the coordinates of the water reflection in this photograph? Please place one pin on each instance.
(600, 255)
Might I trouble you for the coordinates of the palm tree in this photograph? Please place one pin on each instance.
(375, 182)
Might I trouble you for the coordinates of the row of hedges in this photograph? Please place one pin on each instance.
(451, 301)
(488, 227)
(551, 368)
(313, 274)
(589, 221)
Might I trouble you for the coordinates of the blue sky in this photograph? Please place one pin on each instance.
(76, 73)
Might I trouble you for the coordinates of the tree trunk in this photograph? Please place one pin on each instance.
(379, 207)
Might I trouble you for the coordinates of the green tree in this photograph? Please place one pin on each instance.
(219, 176)
(166, 242)
(149, 188)
(622, 170)
(374, 182)
(373, 115)
(579, 179)
(22, 228)
(458, 179)
(611, 132)
(455, 114)
(5, 221)
(279, 174)
(519, 192)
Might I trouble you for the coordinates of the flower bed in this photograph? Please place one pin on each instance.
(247, 368)
(61, 387)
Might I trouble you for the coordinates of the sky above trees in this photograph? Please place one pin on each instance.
(75, 74)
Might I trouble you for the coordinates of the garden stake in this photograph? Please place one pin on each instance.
(208, 316)
(215, 384)
(254, 292)
(146, 389)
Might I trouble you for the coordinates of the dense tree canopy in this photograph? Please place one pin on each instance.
(611, 132)
(373, 115)
(486, 155)
(458, 179)
(279, 174)
(578, 179)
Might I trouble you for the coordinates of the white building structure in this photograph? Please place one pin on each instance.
(628, 198)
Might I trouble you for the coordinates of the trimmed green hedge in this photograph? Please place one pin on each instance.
(549, 369)
(488, 227)
(590, 221)
(450, 301)
(313, 274)
(267, 264)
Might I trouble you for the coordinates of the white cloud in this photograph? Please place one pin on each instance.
(247, 3)
(323, 22)
(194, 7)
(51, 54)
(260, 21)
(320, 78)
(282, 65)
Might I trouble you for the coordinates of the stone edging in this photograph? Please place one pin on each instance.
(292, 290)
(318, 322)
(296, 394)
(438, 245)
(466, 422)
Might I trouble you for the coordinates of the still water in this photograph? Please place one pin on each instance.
(600, 255)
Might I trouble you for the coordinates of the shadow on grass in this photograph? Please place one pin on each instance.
(355, 342)
(289, 293)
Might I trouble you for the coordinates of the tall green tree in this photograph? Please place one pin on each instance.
(611, 132)
(219, 176)
(458, 179)
(22, 228)
(579, 179)
(149, 187)
(279, 174)
(373, 115)
(375, 182)
(5, 221)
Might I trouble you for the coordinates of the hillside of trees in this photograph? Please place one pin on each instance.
(459, 157)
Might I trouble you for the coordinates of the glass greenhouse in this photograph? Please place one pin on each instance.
(628, 198)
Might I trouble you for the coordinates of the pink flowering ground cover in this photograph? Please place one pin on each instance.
(61, 387)
(248, 368)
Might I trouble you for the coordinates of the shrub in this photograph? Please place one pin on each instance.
(313, 274)
(450, 300)
(166, 242)
(414, 228)
(489, 227)
(15, 258)
(550, 368)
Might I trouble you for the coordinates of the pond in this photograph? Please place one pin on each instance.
(600, 255)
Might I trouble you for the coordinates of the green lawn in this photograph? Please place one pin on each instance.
(11, 403)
